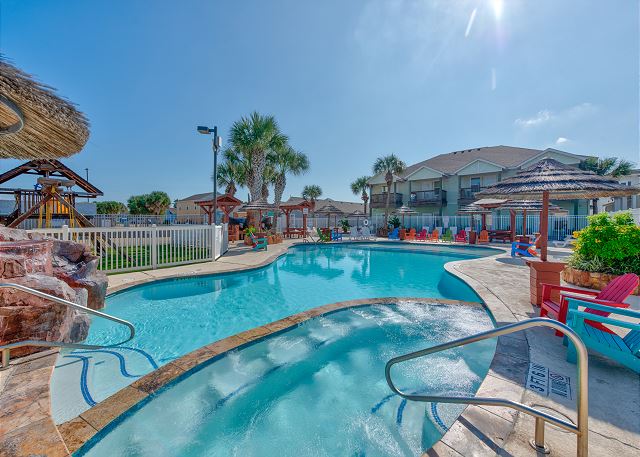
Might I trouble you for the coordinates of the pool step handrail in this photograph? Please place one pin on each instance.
(6, 349)
(581, 429)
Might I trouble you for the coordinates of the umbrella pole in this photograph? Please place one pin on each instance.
(512, 221)
(524, 222)
(544, 226)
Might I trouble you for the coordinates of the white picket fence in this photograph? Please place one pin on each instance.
(143, 248)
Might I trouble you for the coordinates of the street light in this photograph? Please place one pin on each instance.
(217, 143)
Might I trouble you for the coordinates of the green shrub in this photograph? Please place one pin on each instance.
(394, 221)
(609, 244)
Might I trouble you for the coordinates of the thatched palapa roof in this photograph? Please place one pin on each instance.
(562, 182)
(473, 209)
(532, 206)
(35, 123)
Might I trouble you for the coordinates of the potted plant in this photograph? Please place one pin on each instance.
(394, 222)
(251, 230)
(344, 223)
(608, 247)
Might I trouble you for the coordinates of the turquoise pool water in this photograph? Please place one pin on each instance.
(175, 317)
(315, 390)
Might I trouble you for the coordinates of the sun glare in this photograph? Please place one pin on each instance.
(497, 6)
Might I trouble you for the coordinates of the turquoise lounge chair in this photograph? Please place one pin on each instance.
(258, 243)
(395, 234)
(623, 350)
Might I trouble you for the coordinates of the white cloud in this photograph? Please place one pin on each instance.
(565, 116)
(540, 118)
(561, 140)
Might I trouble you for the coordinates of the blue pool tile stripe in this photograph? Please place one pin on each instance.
(436, 416)
(403, 404)
(121, 361)
(84, 389)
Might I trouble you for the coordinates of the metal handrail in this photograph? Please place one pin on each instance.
(581, 429)
(6, 349)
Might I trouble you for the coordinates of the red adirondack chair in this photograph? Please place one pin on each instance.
(461, 236)
(614, 294)
(422, 236)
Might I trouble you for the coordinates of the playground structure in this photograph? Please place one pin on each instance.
(52, 197)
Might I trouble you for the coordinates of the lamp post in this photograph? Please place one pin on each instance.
(217, 143)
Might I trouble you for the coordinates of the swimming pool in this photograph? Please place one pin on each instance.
(314, 390)
(174, 317)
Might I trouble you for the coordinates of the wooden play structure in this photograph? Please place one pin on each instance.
(52, 197)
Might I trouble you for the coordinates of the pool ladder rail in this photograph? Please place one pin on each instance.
(6, 349)
(581, 429)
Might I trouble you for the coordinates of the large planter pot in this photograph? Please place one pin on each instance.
(589, 279)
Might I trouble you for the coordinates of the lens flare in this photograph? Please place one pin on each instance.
(497, 6)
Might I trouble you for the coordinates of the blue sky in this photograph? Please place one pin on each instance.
(347, 80)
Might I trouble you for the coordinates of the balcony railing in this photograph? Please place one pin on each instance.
(428, 197)
(469, 193)
(380, 200)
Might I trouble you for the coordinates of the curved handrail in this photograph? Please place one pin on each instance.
(5, 349)
(581, 429)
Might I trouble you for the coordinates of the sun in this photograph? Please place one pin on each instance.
(497, 6)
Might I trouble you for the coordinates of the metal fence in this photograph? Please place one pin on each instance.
(125, 220)
(143, 248)
(559, 226)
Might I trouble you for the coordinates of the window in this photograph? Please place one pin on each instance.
(475, 184)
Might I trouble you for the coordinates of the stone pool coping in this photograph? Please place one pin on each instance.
(70, 436)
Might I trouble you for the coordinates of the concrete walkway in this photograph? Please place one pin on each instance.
(614, 391)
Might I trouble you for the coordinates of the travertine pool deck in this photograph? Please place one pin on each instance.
(502, 283)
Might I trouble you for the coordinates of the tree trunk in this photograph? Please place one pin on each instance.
(365, 198)
(386, 208)
(278, 190)
(255, 178)
(594, 202)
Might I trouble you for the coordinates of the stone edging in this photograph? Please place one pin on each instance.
(76, 432)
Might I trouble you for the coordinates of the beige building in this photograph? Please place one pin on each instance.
(187, 207)
(442, 184)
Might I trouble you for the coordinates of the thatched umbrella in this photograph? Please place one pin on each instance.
(474, 209)
(328, 210)
(531, 206)
(404, 210)
(258, 206)
(34, 122)
(563, 182)
(357, 214)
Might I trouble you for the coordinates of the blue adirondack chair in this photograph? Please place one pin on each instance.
(258, 243)
(335, 235)
(519, 248)
(623, 350)
(395, 234)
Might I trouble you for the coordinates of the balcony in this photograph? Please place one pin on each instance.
(380, 200)
(436, 197)
(468, 195)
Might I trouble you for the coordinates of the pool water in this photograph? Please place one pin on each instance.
(177, 316)
(315, 390)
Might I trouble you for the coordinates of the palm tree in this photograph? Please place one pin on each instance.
(610, 166)
(286, 161)
(252, 139)
(231, 172)
(360, 186)
(389, 165)
(311, 192)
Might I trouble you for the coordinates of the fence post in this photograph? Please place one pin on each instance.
(65, 232)
(154, 246)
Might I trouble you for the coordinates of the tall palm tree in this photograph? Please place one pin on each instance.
(360, 186)
(252, 139)
(286, 161)
(389, 165)
(610, 166)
